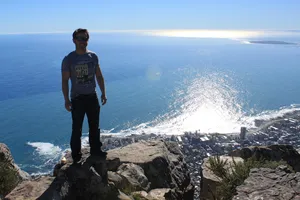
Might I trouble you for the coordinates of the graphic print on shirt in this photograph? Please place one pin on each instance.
(82, 74)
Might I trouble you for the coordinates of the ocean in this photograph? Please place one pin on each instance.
(162, 85)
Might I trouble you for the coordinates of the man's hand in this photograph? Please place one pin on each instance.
(103, 99)
(68, 105)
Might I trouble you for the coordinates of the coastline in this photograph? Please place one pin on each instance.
(197, 146)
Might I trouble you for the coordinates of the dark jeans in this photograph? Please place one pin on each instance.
(89, 105)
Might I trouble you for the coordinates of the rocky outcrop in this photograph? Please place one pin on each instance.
(86, 180)
(30, 189)
(210, 181)
(163, 165)
(271, 184)
(155, 169)
(10, 173)
(273, 153)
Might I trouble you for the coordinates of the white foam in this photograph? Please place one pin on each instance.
(45, 149)
(41, 173)
(271, 114)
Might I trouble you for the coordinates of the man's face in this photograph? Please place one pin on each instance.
(81, 40)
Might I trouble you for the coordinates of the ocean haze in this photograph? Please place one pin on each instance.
(154, 85)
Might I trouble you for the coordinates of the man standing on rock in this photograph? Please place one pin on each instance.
(82, 68)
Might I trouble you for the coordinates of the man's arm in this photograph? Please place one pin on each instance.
(100, 81)
(65, 85)
(65, 90)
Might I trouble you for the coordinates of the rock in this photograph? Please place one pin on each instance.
(162, 167)
(271, 184)
(123, 196)
(141, 194)
(135, 176)
(31, 189)
(119, 181)
(209, 181)
(10, 173)
(86, 180)
(273, 152)
(156, 166)
(156, 194)
(113, 163)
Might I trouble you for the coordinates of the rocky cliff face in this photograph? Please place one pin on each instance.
(148, 170)
(10, 173)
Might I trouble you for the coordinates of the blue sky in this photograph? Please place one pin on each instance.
(19, 16)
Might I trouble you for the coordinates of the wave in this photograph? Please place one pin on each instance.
(45, 156)
(45, 149)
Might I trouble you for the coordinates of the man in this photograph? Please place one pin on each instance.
(82, 67)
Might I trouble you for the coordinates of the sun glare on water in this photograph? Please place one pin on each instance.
(205, 33)
(210, 105)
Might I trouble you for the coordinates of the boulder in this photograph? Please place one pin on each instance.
(135, 176)
(162, 163)
(273, 153)
(271, 184)
(210, 181)
(86, 180)
(119, 181)
(10, 173)
(158, 194)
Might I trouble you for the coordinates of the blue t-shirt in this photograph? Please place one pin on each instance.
(82, 70)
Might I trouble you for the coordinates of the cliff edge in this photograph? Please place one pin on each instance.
(142, 170)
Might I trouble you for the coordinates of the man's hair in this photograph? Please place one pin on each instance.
(81, 30)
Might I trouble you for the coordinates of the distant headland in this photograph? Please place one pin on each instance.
(271, 42)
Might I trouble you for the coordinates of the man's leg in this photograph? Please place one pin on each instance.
(93, 112)
(78, 112)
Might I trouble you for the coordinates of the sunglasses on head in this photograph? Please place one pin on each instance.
(82, 38)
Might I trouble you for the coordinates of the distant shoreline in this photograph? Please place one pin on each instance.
(271, 42)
